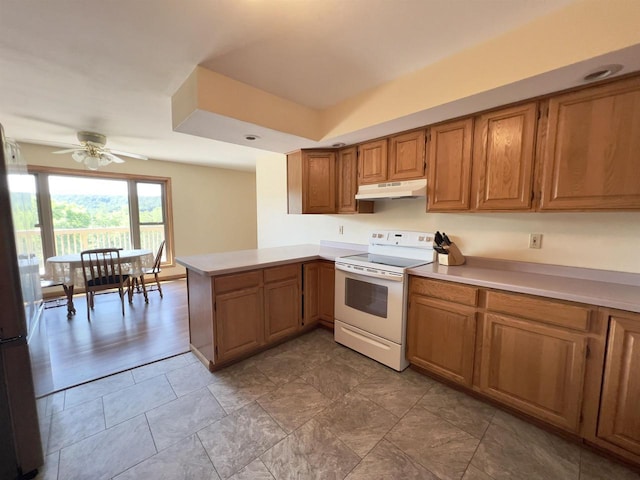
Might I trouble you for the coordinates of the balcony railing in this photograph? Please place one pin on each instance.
(75, 240)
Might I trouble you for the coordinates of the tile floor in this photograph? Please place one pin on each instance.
(307, 409)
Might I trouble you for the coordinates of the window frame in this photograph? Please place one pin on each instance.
(46, 216)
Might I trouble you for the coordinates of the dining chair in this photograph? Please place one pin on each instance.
(102, 270)
(155, 270)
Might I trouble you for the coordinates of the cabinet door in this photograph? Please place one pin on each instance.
(319, 182)
(348, 183)
(239, 323)
(620, 408)
(311, 281)
(441, 338)
(406, 156)
(347, 180)
(282, 309)
(372, 162)
(504, 146)
(592, 145)
(327, 292)
(536, 368)
(449, 164)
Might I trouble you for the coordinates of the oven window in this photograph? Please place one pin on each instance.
(366, 297)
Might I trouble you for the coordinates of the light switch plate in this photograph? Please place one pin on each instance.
(535, 240)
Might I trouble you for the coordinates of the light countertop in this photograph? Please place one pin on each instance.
(212, 264)
(594, 287)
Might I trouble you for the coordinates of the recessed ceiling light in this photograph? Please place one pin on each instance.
(251, 138)
(338, 145)
(602, 72)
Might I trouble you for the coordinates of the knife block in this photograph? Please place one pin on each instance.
(455, 256)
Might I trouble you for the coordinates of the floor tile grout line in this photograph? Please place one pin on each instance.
(91, 436)
(144, 459)
(478, 446)
(58, 466)
(207, 453)
(456, 426)
(151, 433)
(145, 411)
(259, 455)
(102, 395)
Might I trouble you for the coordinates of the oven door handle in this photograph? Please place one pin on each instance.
(370, 272)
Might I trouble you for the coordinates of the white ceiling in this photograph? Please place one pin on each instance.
(112, 66)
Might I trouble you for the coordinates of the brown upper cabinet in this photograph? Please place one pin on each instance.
(324, 181)
(406, 156)
(486, 163)
(348, 183)
(449, 166)
(311, 181)
(503, 155)
(401, 157)
(592, 147)
(574, 151)
(372, 162)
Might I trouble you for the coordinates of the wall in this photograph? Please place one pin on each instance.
(214, 209)
(607, 241)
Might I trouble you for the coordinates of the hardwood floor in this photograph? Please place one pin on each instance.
(67, 352)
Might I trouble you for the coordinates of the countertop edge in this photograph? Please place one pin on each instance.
(245, 260)
(606, 302)
(245, 268)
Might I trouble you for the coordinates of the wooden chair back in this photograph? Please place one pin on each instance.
(102, 269)
(158, 260)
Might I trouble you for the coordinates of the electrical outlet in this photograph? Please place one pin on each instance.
(341, 230)
(535, 240)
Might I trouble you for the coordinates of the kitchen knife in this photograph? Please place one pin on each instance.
(445, 239)
(438, 239)
(441, 250)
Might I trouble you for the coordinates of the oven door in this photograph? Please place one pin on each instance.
(375, 305)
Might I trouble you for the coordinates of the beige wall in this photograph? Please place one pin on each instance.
(607, 241)
(214, 209)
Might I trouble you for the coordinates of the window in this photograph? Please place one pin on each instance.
(78, 211)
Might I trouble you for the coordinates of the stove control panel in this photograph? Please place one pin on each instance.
(402, 238)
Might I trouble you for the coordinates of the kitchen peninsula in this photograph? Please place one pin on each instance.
(244, 301)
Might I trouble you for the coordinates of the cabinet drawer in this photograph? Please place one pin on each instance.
(237, 281)
(574, 317)
(277, 274)
(452, 292)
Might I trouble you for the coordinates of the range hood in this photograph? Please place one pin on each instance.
(382, 191)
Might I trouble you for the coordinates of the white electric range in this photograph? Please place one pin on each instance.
(371, 294)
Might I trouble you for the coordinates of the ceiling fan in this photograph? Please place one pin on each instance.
(93, 153)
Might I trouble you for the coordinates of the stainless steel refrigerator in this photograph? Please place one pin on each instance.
(20, 446)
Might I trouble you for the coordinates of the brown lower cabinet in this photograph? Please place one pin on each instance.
(238, 307)
(619, 421)
(441, 333)
(233, 316)
(540, 356)
(319, 287)
(536, 368)
(282, 295)
(326, 293)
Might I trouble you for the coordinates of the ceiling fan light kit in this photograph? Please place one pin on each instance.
(92, 151)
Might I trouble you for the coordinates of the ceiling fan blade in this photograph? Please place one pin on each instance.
(129, 154)
(68, 150)
(79, 155)
(111, 157)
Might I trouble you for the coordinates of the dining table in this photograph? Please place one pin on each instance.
(67, 270)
